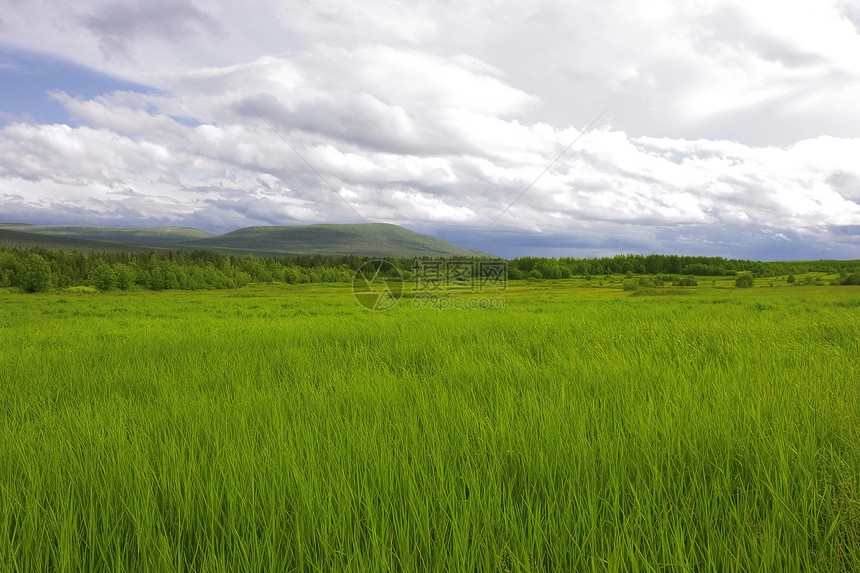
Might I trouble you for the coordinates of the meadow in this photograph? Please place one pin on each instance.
(286, 428)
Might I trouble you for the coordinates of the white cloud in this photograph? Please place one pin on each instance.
(722, 113)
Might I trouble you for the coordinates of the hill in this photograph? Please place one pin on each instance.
(369, 239)
(63, 243)
(149, 235)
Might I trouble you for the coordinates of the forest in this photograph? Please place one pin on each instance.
(40, 270)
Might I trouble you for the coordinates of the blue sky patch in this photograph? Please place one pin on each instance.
(27, 78)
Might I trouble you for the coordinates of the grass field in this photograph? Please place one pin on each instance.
(285, 428)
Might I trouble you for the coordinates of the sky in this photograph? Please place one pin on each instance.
(546, 128)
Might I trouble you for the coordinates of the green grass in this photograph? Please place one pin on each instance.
(287, 429)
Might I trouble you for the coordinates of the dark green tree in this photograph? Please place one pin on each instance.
(549, 269)
(103, 277)
(125, 276)
(156, 279)
(36, 275)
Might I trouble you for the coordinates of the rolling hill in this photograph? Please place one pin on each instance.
(148, 235)
(64, 243)
(369, 239)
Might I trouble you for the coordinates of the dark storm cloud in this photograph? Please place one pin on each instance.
(845, 230)
(745, 242)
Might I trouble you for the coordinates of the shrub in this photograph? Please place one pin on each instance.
(744, 280)
(685, 281)
(81, 289)
(791, 279)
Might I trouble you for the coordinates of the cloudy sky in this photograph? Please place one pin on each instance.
(725, 128)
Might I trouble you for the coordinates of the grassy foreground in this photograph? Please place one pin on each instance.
(288, 429)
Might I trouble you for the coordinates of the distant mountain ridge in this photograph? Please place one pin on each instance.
(358, 239)
(367, 239)
(115, 234)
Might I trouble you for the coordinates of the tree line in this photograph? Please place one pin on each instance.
(39, 270)
(538, 267)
